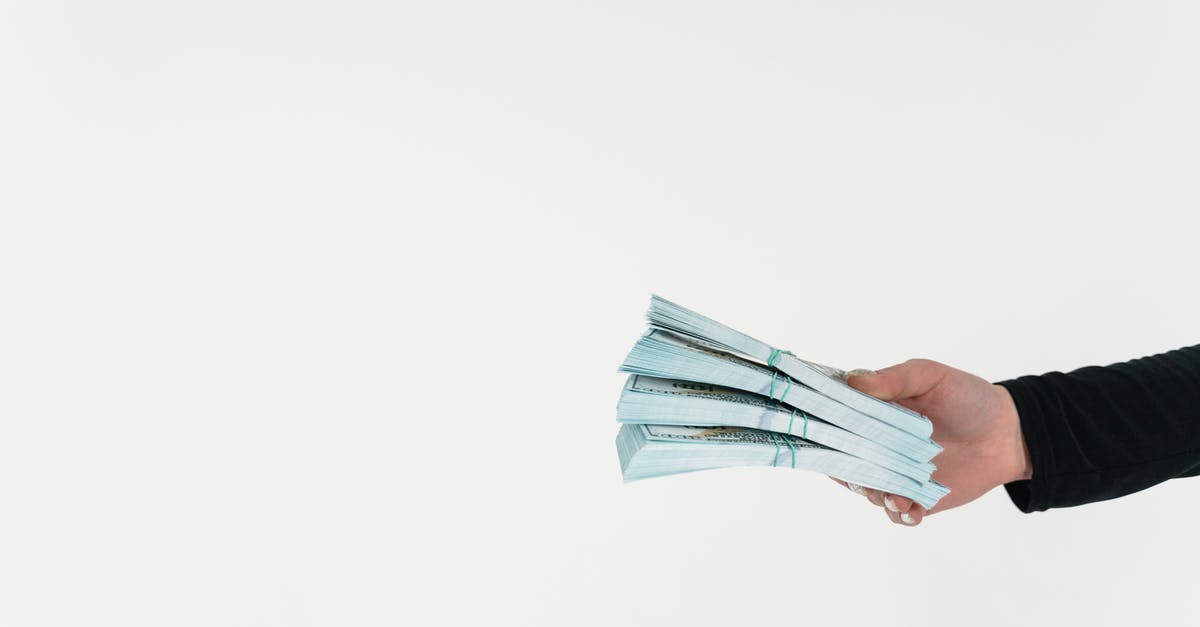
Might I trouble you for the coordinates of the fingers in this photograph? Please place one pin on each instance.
(900, 510)
(910, 518)
(857, 489)
(913, 517)
(911, 378)
(897, 503)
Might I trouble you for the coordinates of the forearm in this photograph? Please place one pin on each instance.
(1102, 432)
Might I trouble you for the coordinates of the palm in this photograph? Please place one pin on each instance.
(965, 413)
(973, 420)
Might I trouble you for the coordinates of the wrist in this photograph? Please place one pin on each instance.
(1018, 466)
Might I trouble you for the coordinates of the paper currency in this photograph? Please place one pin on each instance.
(663, 354)
(702, 396)
(651, 400)
(828, 381)
(656, 450)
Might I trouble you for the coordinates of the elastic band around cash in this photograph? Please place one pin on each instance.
(793, 420)
(775, 353)
(792, 447)
(771, 392)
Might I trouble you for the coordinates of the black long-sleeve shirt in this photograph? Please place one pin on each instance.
(1102, 432)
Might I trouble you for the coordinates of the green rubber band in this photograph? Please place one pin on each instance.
(787, 388)
(775, 353)
(791, 447)
(804, 427)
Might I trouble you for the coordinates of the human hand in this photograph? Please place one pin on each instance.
(974, 421)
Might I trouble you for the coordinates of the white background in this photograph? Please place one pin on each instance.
(310, 312)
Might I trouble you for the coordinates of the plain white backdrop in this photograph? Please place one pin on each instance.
(310, 312)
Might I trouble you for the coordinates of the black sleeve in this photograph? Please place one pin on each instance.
(1102, 432)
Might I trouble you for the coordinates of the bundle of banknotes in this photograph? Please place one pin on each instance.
(701, 395)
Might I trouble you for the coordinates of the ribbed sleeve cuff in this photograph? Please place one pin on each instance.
(1036, 494)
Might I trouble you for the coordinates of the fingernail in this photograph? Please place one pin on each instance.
(907, 519)
(858, 371)
(891, 505)
(857, 489)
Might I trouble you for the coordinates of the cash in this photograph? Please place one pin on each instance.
(829, 381)
(650, 400)
(702, 395)
(657, 450)
(663, 354)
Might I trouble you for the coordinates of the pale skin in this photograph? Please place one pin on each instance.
(975, 422)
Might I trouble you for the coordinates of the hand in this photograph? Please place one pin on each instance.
(975, 422)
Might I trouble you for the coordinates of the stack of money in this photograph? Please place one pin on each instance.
(701, 395)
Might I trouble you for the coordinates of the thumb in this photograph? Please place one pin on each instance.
(911, 378)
